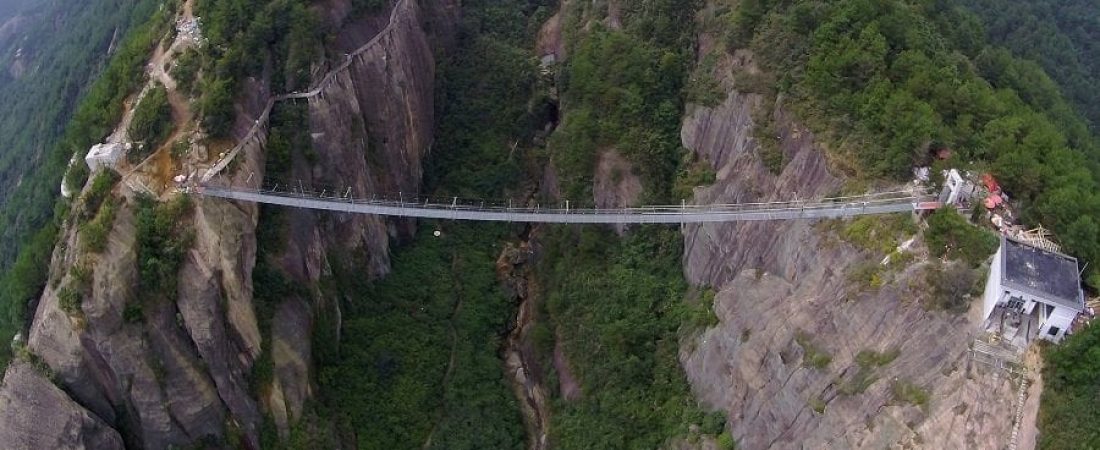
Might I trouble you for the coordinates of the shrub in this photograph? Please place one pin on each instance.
(151, 123)
(767, 139)
(907, 392)
(132, 313)
(701, 314)
(813, 356)
(817, 404)
(878, 234)
(868, 361)
(866, 274)
(186, 70)
(698, 173)
(162, 241)
(97, 193)
(180, 149)
(69, 300)
(951, 286)
(950, 234)
(93, 235)
(871, 358)
(726, 441)
(81, 273)
(863, 379)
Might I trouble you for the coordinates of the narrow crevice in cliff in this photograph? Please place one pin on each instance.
(521, 358)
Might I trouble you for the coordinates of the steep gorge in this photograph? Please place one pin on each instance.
(193, 368)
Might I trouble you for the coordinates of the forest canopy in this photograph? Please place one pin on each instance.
(900, 79)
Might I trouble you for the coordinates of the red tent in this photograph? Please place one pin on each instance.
(992, 201)
(990, 183)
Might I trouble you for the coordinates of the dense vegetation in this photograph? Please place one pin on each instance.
(163, 238)
(418, 357)
(618, 306)
(622, 90)
(1070, 409)
(152, 122)
(950, 234)
(27, 222)
(64, 44)
(244, 37)
(1060, 35)
(897, 79)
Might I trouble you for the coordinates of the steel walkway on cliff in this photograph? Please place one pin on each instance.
(669, 214)
(260, 123)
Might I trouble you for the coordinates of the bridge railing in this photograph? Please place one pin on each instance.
(401, 200)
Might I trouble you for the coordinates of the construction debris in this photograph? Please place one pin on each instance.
(190, 30)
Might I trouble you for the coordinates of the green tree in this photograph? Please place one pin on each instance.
(152, 121)
(950, 234)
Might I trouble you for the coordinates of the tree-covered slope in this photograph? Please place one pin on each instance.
(29, 213)
(49, 54)
(896, 79)
(1063, 36)
(893, 79)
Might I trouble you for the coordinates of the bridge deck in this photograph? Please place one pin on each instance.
(654, 214)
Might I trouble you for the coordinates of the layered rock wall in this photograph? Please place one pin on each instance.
(781, 282)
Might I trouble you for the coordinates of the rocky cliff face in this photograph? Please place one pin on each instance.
(371, 126)
(779, 283)
(24, 423)
(180, 374)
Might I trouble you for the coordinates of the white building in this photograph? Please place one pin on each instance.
(1031, 293)
(105, 155)
(956, 189)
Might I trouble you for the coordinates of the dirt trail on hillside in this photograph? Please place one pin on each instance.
(160, 167)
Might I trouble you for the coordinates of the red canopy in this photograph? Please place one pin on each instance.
(990, 183)
(992, 201)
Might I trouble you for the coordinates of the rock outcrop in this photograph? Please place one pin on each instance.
(779, 283)
(176, 371)
(36, 414)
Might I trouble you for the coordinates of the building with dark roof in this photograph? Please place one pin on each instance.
(1032, 292)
